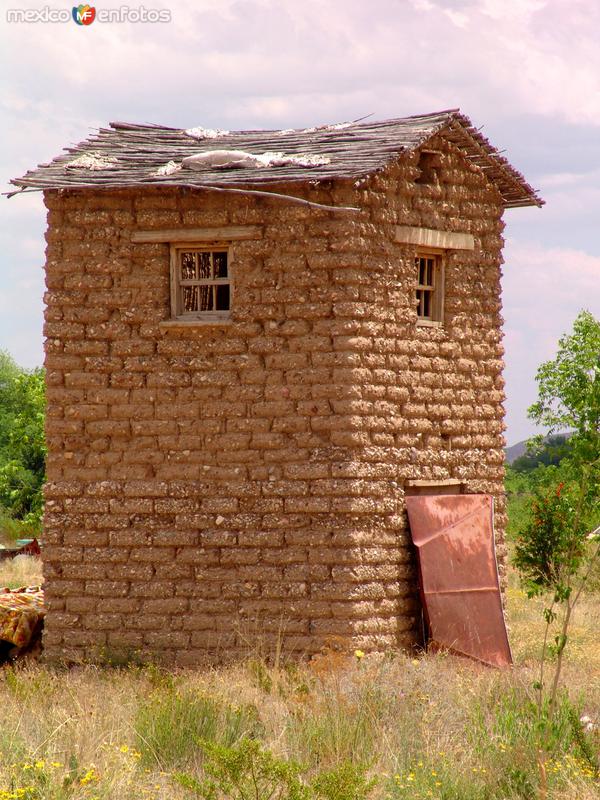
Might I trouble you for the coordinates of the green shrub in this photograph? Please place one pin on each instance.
(248, 771)
(243, 771)
(345, 782)
(170, 722)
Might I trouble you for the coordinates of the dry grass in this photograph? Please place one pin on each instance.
(438, 727)
(584, 647)
(21, 571)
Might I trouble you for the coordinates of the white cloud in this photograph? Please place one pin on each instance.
(457, 18)
(543, 291)
(490, 55)
(514, 10)
(562, 179)
(519, 66)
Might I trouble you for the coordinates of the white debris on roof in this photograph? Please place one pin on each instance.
(224, 159)
(206, 133)
(318, 128)
(239, 159)
(167, 169)
(301, 159)
(93, 161)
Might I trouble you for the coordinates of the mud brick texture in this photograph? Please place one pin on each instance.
(213, 487)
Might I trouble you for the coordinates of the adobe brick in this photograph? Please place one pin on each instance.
(63, 554)
(80, 605)
(101, 622)
(141, 488)
(154, 589)
(152, 554)
(175, 538)
(98, 588)
(173, 570)
(79, 638)
(170, 605)
(149, 622)
(124, 639)
(163, 639)
(213, 640)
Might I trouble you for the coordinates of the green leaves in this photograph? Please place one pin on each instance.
(346, 782)
(549, 616)
(552, 544)
(249, 771)
(245, 771)
(569, 386)
(22, 441)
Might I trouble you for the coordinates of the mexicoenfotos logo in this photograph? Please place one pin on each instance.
(84, 15)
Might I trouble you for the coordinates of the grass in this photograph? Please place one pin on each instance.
(386, 727)
(21, 571)
(169, 723)
(435, 727)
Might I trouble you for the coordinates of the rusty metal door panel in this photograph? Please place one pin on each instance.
(454, 536)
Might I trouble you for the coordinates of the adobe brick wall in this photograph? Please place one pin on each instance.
(214, 486)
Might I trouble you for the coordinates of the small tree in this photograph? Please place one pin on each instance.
(555, 552)
(22, 442)
(569, 390)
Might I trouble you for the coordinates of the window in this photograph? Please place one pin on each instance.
(430, 288)
(201, 288)
(429, 164)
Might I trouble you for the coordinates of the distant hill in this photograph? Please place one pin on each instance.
(515, 451)
(520, 448)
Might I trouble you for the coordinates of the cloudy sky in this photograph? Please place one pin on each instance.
(528, 71)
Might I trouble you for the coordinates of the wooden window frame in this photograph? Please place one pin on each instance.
(435, 319)
(199, 317)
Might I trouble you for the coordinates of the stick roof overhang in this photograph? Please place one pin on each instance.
(132, 153)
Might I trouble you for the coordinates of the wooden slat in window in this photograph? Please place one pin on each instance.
(201, 281)
(429, 287)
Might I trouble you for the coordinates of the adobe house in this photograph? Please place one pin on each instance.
(257, 343)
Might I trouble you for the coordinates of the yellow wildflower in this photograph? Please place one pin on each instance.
(90, 775)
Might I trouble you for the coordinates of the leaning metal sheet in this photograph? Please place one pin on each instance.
(454, 536)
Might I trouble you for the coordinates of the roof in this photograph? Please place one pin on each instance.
(127, 154)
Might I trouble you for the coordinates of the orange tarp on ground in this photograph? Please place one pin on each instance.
(21, 612)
